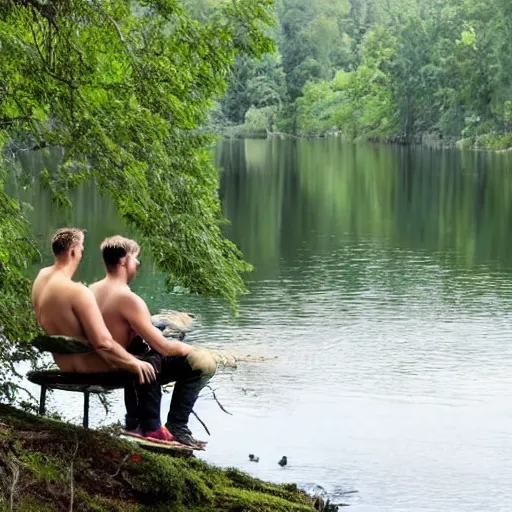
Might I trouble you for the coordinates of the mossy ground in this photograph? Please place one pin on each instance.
(47, 465)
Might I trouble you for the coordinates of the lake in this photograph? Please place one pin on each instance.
(382, 287)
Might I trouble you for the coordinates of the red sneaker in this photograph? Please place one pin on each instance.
(162, 434)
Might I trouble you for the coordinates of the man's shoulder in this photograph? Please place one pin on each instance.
(80, 291)
(96, 286)
(81, 286)
(43, 274)
(44, 271)
(130, 303)
(130, 297)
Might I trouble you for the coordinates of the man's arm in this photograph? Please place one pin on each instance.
(89, 315)
(135, 311)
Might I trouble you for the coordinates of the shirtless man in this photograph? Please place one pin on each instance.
(127, 317)
(66, 308)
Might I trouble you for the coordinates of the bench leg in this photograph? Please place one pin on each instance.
(42, 401)
(86, 409)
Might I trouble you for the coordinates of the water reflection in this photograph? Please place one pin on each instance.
(282, 196)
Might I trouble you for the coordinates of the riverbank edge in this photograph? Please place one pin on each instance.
(48, 465)
(493, 142)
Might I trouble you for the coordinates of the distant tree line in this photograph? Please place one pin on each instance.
(378, 68)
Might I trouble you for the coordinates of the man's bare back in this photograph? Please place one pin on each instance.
(66, 308)
(126, 315)
(55, 298)
(111, 296)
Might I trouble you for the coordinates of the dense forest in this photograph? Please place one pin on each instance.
(385, 69)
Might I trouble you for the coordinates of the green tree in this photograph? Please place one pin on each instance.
(16, 319)
(358, 102)
(122, 89)
(311, 40)
(257, 82)
(237, 99)
(316, 108)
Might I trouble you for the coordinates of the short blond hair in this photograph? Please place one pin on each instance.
(116, 247)
(65, 238)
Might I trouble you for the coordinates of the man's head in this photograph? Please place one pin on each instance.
(68, 244)
(120, 253)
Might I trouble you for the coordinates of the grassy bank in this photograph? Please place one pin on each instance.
(47, 465)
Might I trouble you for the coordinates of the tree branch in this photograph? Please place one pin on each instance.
(36, 147)
(217, 400)
(7, 121)
(47, 10)
(118, 30)
(15, 477)
(202, 422)
(72, 479)
(121, 465)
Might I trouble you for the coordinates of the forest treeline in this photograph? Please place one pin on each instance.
(398, 70)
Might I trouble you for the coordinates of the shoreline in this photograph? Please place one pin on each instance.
(49, 465)
(492, 143)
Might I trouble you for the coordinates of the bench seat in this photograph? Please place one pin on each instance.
(85, 383)
(172, 323)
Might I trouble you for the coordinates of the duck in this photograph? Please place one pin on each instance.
(253, 458)
(283, 461)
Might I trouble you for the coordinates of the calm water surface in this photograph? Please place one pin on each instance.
(383, 285)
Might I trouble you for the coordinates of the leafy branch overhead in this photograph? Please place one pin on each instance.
(123, 88)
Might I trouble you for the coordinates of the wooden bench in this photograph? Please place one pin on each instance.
(86, 383)
(172, 323)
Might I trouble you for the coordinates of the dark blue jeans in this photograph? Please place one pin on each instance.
(143, 401)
